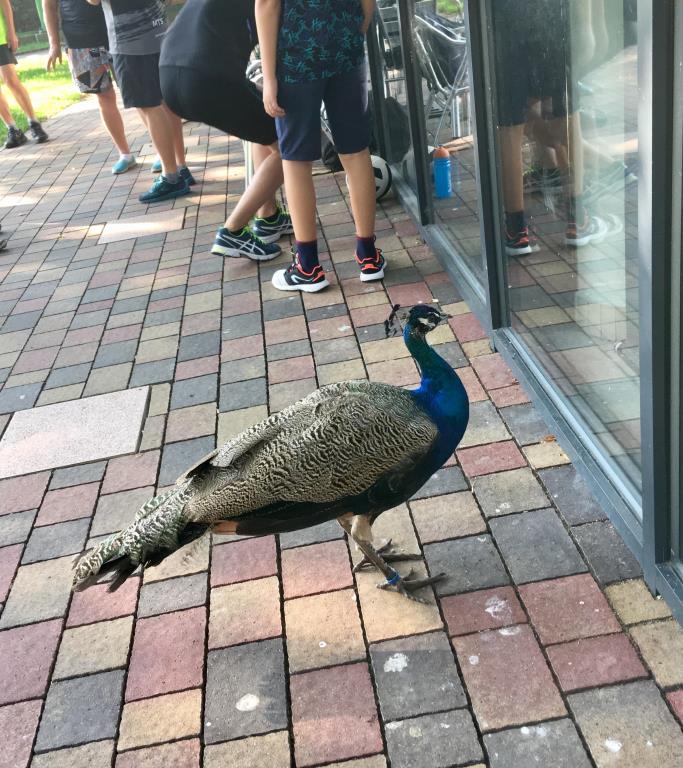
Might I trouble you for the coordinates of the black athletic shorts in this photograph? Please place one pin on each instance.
(138, 79)
(6, 56)
(532, 58)
(234, 107)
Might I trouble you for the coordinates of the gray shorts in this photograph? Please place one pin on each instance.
(90, 69)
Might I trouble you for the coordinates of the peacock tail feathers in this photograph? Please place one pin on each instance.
(160, 527)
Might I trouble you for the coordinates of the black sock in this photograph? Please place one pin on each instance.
(515, 222)
(577, 212)
(308, 255)
(365, 247)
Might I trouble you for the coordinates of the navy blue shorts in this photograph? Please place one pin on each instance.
(346, 103)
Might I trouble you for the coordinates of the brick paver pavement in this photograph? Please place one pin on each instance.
(542, 648)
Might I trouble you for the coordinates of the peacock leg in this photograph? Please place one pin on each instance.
(358, 528)
(388, 555)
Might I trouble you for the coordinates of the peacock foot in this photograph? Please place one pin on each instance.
(389, 555)
(406, 586)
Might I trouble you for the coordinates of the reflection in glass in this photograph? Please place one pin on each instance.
(440, 41)
(566, 97)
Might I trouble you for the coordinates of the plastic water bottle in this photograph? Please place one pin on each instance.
(442, 173)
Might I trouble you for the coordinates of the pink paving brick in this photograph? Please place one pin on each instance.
(9, 560)
(133, 471)
(467, 328)
(242, 303)
(676, 701)
(291, 369)
(98, 604)
(286, 329)
(334, 715)
(507, 678)
(26, 655)
(484, 609)
(168, 654)
(68, 504)
(172, 303)
(20, 493)
(594, 661)
(125, 333)
(370, 315)
(568, 608)
(178, 754)
(249, 346)
(514, 395)
(330, 328)
(201, 279)
(493, 372)
(18, 724)
(408, 295)
(492, 457)
(317, 568)
(473, 387)
(82, 336)
(243, 560)
(191, 368)
(36, 360)
(202, 322)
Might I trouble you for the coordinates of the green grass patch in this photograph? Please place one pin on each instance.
(50, 93)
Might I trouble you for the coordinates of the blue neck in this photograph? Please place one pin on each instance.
(440, 392)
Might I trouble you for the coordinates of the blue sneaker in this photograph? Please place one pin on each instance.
(244, 243)
(186, 174)
(123, 164)
(273, 228)
(156, 166)
(163, 189)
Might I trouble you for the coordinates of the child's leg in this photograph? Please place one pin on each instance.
(11, 80)
(361, 180)
(5, 113)
(346, 102)
(260, 194)
(300, 198)
(176, 126)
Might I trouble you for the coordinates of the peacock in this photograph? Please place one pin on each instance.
(349, 451)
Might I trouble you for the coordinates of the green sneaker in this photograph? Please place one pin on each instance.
(274, 227)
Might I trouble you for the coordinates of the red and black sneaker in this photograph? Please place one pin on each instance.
(372, 267)
(294, 278)
(518, 243)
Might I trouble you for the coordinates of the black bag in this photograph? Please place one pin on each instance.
(399, 138)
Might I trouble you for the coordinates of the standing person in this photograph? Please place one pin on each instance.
(136, 29)
(206, 52)
(90, 63)
(314, 52)
(9, 43)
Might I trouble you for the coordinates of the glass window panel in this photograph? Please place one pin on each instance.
(440, 42)
(566, 103)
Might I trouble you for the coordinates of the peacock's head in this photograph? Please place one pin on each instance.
(420, 319)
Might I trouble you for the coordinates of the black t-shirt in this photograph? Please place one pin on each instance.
(83, 24)
(215, 37)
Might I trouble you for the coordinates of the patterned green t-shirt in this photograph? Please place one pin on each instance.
(3, 29)
(319, 39)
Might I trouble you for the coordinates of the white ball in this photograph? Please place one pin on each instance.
(382, 176)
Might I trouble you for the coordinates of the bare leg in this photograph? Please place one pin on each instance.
(176, 125)
(361, 178)
(5, 113)
(300, 198)
(161, 133)
(113, 121)
(260, 194)
(11, 79)
(261, 153)
(510, 138)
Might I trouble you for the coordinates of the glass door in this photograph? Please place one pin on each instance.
(566, 90)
